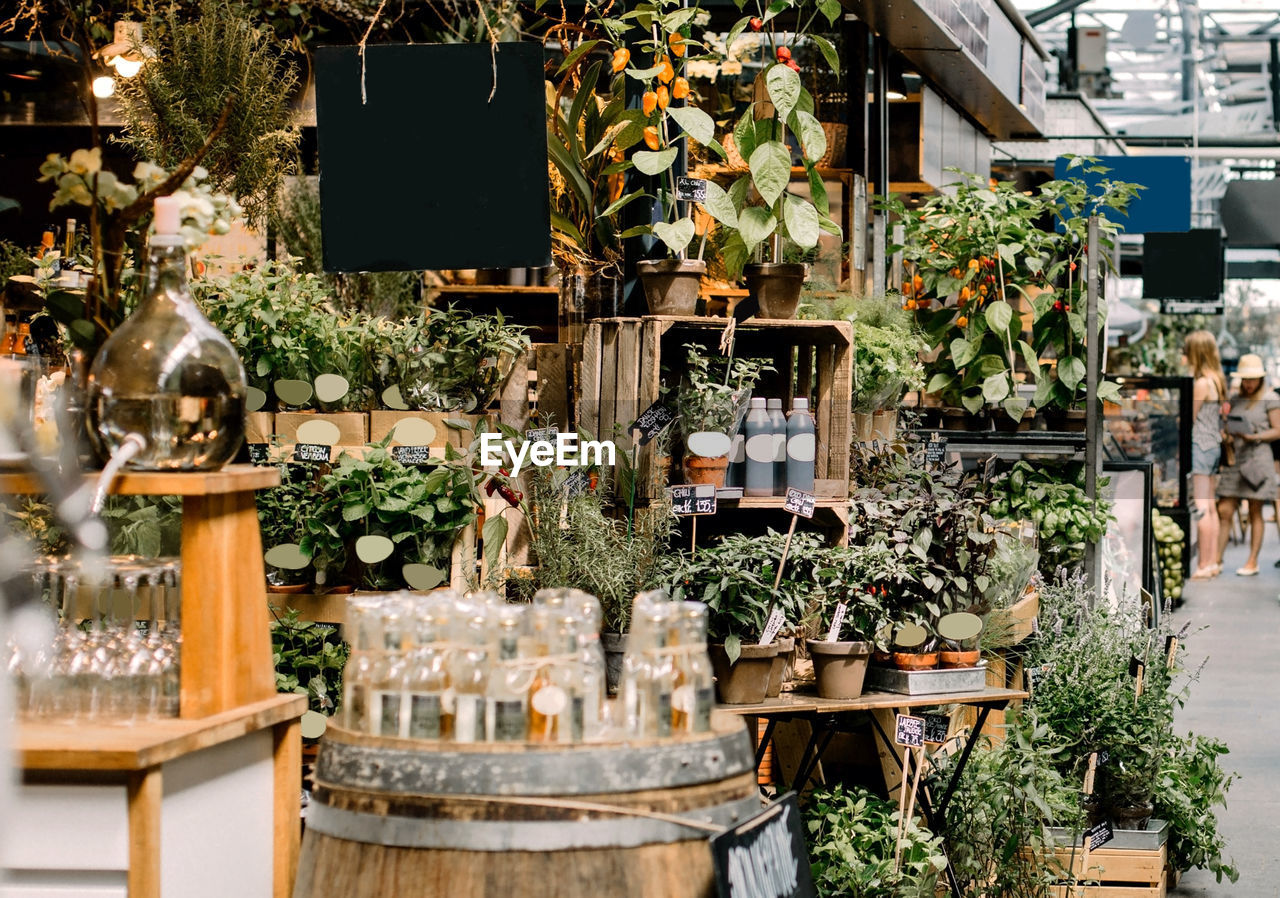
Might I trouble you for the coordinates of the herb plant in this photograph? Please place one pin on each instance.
(852, 839)
(714, 393)
(1190, 785)
(308, 659)
(452, 360)
(1056, 502)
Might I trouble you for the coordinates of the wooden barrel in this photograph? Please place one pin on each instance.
(393, 818)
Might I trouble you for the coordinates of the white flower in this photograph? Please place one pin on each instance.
(86, 162)
(52, 166)
(148, 173)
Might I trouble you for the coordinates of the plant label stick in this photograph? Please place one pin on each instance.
(776, 619)
(1090, 774)
(837, 620)
(1170, 650)
(911, 803)
(902, 803)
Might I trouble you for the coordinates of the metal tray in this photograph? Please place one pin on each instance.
(1149, 839)
(927, 682)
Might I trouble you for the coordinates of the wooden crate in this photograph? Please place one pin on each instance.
(540, 388)
(622, 372)
(382, 422)
(353, 427)
(1118, 872)
(259, 427)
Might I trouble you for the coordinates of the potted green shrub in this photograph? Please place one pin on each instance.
(654, 44)
(734, 578)
(853, 577)
(283, 512)
(712, 401)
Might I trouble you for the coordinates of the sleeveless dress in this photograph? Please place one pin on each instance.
(1232, 484)
(1206, 437)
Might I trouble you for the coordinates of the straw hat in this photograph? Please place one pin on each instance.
(1250, 366)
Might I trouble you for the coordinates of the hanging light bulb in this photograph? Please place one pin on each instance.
(126, 52)
(104, 86)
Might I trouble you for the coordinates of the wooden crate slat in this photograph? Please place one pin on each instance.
(804, 367)
(626, 387)
(649, 476)
(608, 380)
(553, 383)
(513, 401)
(839, 407)
(826, 363)
(589, 382)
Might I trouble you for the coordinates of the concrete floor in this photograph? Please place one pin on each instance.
(1234, 621)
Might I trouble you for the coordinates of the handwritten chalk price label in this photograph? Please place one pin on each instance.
(837, 621)
(935, 450)
(259, 453)
(691, 190)
(542, 434)
(1098, 835)
(800, 503)
(909, 731)
(937, 727)
(411, 455)
(693, 499)
(576, 484)
(652, 422)
(311, 452)
(771, 628)
(764, 855)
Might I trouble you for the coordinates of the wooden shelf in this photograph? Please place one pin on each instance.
(493, 290)
(777, 502)
(714, 169)
(83, 745)
(801, 703)
(231, 479)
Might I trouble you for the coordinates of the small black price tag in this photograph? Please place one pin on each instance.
(800, 503)
(259, 453)
(935, 450)
(654, 420)
(1135, 667)
(542, 434)
(988, 470)
(764, 855)
(693, 499)
(311, 452)
(576, 484)
(1104, 758)
(1098, 835)
(936, 728)
(909, 731)
(692, 190)
(411, 455)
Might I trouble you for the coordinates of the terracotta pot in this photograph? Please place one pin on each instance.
(292, 589)
(1005, 424)
(839, 667)
(776, 287)
(746, 681)
(615, 648)
(915, 660)
(955, 660)
(701, 469)
(863, 427)
(880, 657)
(671, 285)
(786, 648)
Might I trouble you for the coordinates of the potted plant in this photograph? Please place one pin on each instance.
(712, 401)
(854, 578)
(654, 42)
(282, 515)
(758, 206)
(734, 578)
(959, 640)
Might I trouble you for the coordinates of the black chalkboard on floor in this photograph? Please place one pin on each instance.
(427, 170)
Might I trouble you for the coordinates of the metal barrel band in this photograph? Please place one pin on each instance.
(631, 828)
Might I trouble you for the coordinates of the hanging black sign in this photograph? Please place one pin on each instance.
(654, 420)
(259, 453)
(764, 857)
(311, 452)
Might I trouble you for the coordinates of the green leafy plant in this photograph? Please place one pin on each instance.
(580, 542)
(1055, 501)
(861, 577)
(216, 65)
(852, 840)
(887, 346)
(34, 519)
(1190, 785)
(714, 391)
(283, 513)
(150, 526)
(308, 659)
(735, 580)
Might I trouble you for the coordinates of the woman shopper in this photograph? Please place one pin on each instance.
(1208, 393)
(1252, 423)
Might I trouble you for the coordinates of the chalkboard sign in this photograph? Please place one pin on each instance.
(693, 499)
(576, 484)
(1135, 667)
(1098, 835)
(800, 503)
(542, 434)
(311, 452)
(411, 455)
(691, 189)
(477, 199)
(909, 731)
(765, 856)
(654, 420)
(259, 453)
(936, 728)
(935, 450)
(1104, 758)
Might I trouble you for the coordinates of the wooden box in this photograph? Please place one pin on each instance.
(353, 427)
(383, 422)
(540, 388)
(1118, 872)
(259, 427)
(623, 362)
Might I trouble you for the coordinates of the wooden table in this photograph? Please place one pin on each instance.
(826, 716)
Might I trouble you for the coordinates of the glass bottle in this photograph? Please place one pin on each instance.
(647, 673)
(430, 712)
(166, 373)
(551, 691)
(388, 711)
(364, 618)
(694, 693)
(469, 671)
(507, 698)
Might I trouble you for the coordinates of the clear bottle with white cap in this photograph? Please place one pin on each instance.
(166, 391)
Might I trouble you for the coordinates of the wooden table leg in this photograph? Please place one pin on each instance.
(145, 793)
(287, 762)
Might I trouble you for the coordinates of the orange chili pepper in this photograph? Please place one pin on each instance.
(620, 59)
(651, 139)
(664, 97)
(649, 102)
(679, 89)
(668, 72)
(677, 44)
(962, 321)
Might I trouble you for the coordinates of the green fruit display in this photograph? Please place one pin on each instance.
(1169, 547)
